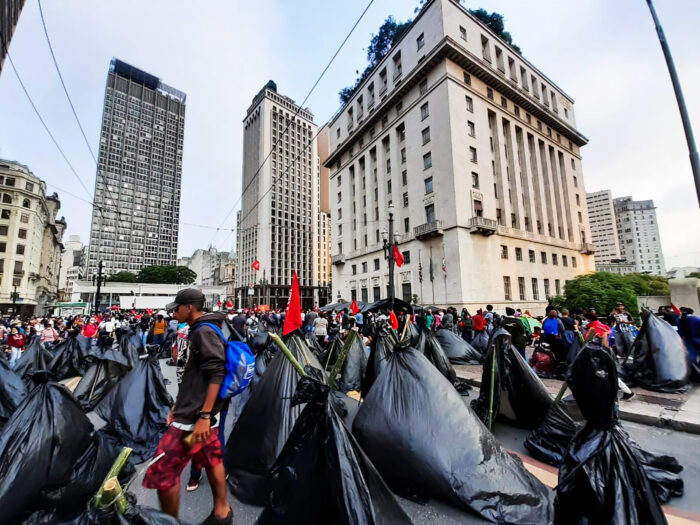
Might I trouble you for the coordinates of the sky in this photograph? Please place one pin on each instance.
(603, 54)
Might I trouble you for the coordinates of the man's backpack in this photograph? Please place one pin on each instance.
(240, 365)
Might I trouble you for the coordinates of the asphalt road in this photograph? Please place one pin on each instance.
(196, 506)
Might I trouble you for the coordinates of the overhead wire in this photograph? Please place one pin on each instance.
(299, 108)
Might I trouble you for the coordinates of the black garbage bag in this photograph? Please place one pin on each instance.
(322, 476)
(134, 515)
(660, 358)
(166, 347)
(412, 334)
(624, 340)
(107, 366)
(34, 359)
(426, 442)
(550, 441)
(519, 394)
(457, 350)
(382, 345)
(314, 346)
(354, 367)
(50, 455)
(12, 392)
(131, 345)
(136, 409)
(333, 349)
(433, 351)
(264, 425)
(69, 359)
(601, 478)
(480, 341)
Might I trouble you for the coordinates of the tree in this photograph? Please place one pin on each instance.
(167, 275)
(694, 274)
(495, 22)
(123, 277)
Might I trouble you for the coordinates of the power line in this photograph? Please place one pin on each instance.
(299, 107)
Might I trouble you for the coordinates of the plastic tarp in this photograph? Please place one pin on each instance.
(314, 345)
(412, 334)
(660, 357)
(354, 367)
(601, 479)
(50, 455)
(34, 358)
(382, 346)
(480, 341)
(529, 323)
(333, 349)
(136, 409)
(12, 391)
(624, 337)
(426, 442)
(264, 425)
(431, 347)
(519, 394)
(131, 345)
(322, 476)
(107, 366)
(134, 515)
(69, 357)
(458, 351)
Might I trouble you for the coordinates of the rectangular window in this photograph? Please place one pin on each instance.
(405, 200)
(376, 264)
(340, 229)
(470, 104)
(462, 33)
(504, 102)
(3, 247)
(426, 135)
(3, 230)
(506, 287)
(475, 180)
(29, 186)
(430, 213)
(404, 178)
(523, 78)
(518, 254)
(5, 214)
(573, 262)
(578, 200)
(546, 288)
(403, 155)
(531, 255)
(544, 257)
(340, 196)
(580, 217)
(18, 267)
(428, 185)
(406, 257)
(364, 267)
(564, 261)
(535, 290)
(467, 79)
(420, 41)
(10, 181)
(20, 249)
(424, 111)
(557, 286)
(472, 154)
(489, 93)
(521, 288)
(533, 81)
(427, 161)
(354, 269)
(388, 186)
(575, 182)
(573, 164)
(555, 259)
(485, 51)
(504, 251)
(406, 225)
(499, 59)
(471, 130)
(423, 86)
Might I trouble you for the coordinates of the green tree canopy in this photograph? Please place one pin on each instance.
(124, 277)
(167, 275)
(496, 23)
(603, 290)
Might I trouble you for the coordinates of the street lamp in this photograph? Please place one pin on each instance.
(389, 252)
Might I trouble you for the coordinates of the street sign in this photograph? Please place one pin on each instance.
(251, 291)
(251, 285)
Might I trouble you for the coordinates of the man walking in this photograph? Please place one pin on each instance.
(194, 412)
(516, 330)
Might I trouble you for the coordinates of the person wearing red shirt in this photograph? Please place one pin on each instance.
(479, 321)
(15, 344)
(90, 329)
(599, 329)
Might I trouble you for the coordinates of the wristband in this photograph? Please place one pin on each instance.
(205, 415)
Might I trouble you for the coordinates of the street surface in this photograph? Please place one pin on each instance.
(196, 506)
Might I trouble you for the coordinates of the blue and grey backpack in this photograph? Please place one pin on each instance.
(240, 365)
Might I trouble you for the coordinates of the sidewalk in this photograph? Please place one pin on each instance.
(676, 411)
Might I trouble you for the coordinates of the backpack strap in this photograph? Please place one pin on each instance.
(216, 329)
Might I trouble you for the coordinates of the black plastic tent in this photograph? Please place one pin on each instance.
(12, 392)
(34, 358)
(426, 442)
(107, 366)
(385, 304)
(69, 357)
(354, 367)
(457, 350)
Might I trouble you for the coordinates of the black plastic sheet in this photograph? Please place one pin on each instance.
(107, 366)
(333, 349)
(624, 340)
(131, 345)
(426, 442)
(69, 359)
(660, 358)
(12, 392)
(550, 441)
(519, 394)
(322, 476)
(601, 478)
(34, 359)
(458, 351)
(480, 341)
(264, 425)
(314, 346)
(354, 367)
(136, 409)
(432, 349)
(412, 333)
(49, 454)
(382, 346)
(134, 515)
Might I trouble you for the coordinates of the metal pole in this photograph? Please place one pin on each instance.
(14, 302)
(99, 287)
(694, 157)
(391, 261)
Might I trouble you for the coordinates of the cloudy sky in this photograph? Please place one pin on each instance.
(604, 54)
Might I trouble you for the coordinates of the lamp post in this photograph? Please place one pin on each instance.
(15, 296)
(389, 252)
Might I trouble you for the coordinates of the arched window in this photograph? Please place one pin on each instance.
(26, 203)
(6, 197)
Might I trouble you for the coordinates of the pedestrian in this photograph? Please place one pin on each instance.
(49, 335)
(467, 326)
(159, 327)
(689, 330)
(552, 333)
(90, 330)
(448, 320)
(489, 318)
(429, 320)
(595, 328)
(15, 345)
(239, 323)
(516, 330)
(194, 414)
(481, 337)
(321, 328)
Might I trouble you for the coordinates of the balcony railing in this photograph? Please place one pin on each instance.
(429, 229)
(338, 259)
(483, 225)
(587, 248)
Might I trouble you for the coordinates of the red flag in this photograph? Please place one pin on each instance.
(393, 321)
(675, 309)
(256, 265)
(292, 320)
(354, 308)
(218, 303)
(229, 304)
(397, 256)
(149, 311)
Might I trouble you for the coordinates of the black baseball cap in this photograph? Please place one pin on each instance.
(187, 296)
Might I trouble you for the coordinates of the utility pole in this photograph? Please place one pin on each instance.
(694, 157)
(389, 253)
(99, 278)
(15, 296)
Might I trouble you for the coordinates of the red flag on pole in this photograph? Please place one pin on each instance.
(393, 320)
(675, 309)
(256, 265)
(397, 256)
(218, 303)
(292, 320)
(354, 308)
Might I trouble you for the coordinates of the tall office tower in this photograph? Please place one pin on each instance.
(601, 214)
(9, 14)
(137, 189)
(476, 154)
(638, 231)
(324, 219)
(278, 222)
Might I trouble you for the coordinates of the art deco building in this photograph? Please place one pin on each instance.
(478, 152)
(137, 188)
(638, 231)
(278, 221)
(601, 214)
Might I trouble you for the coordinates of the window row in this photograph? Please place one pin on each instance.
(543, 257)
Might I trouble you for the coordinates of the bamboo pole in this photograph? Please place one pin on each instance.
(114, 471)
(288, 354)
(491, 390)
(113, 495)
(349, 340)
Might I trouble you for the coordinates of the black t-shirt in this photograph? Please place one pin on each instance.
(568, 322)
